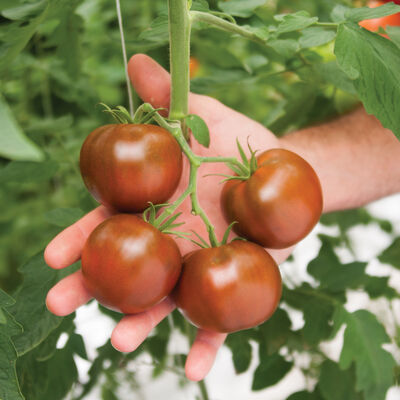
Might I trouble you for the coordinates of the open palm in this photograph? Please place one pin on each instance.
(226, 125)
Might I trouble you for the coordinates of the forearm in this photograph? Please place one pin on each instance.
(357, 160)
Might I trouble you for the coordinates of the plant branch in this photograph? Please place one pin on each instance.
(225, 25)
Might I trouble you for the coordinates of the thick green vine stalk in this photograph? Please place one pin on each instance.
(179, 34)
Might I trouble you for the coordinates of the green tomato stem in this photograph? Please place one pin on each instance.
(197, 209)
(191, 190)
(179, 32)
(203, 390)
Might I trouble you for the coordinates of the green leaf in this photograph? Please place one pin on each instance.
(275, 332)
(240, 8)
(379, 287)
(241, 350)
(362, 13)
(27, 172)
(394, 34)
(332, 275)
(304, 395)
(5, 4)
(77, 345)
(338, 13)
(332, 74)
(50, 379)
(286, 48)
(14, 145)
(391, 255)
(9, 387)
(67, 37)
(199, 129)
(363, 339)
(17, 36)
(30, 308)
(335, 384)
(63, 217)
(157, 32)
(294, 22)
(318, 308)
(105, 353)
(24, 11)
(218, 80)
(316, 36)
(270, 371)
(5, 299)
(373, 63)
(200, 5)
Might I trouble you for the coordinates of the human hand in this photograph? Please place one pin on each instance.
(152, 83)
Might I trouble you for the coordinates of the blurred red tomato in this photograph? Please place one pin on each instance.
(194, 66)
(373, 25)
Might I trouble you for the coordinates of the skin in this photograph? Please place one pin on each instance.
(114, 156)
(229, 288)
(280, 203)
(128, 265)
(355, 158)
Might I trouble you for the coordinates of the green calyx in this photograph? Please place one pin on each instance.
(122, 116)
(167, 225)
(246, 168)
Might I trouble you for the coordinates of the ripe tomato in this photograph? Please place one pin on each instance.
(128, 265)
(392, 1)
(228, 288)
(127, 166)
(280, 203)
(376, 23)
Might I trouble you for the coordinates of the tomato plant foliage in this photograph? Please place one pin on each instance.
(306, 61)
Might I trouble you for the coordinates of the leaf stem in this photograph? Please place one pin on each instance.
(225, 25)
(327, 24)
(203, 390)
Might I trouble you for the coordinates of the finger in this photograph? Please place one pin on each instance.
(66, 247)
(202, 354)
(152, 82)
(280, 255)
(132, 330)
(67, 295)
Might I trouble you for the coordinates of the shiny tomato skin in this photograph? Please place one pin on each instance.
(126, 166)
(128, 265)
(279, 204)
(228, 288)
(376, 23)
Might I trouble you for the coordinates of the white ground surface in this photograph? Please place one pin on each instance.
(222, 382)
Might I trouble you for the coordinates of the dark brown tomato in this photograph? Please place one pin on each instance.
(228, 288)
(280, 203)
(128, 265)
(127, 166)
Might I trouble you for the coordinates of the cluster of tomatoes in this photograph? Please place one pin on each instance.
(129, 265)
